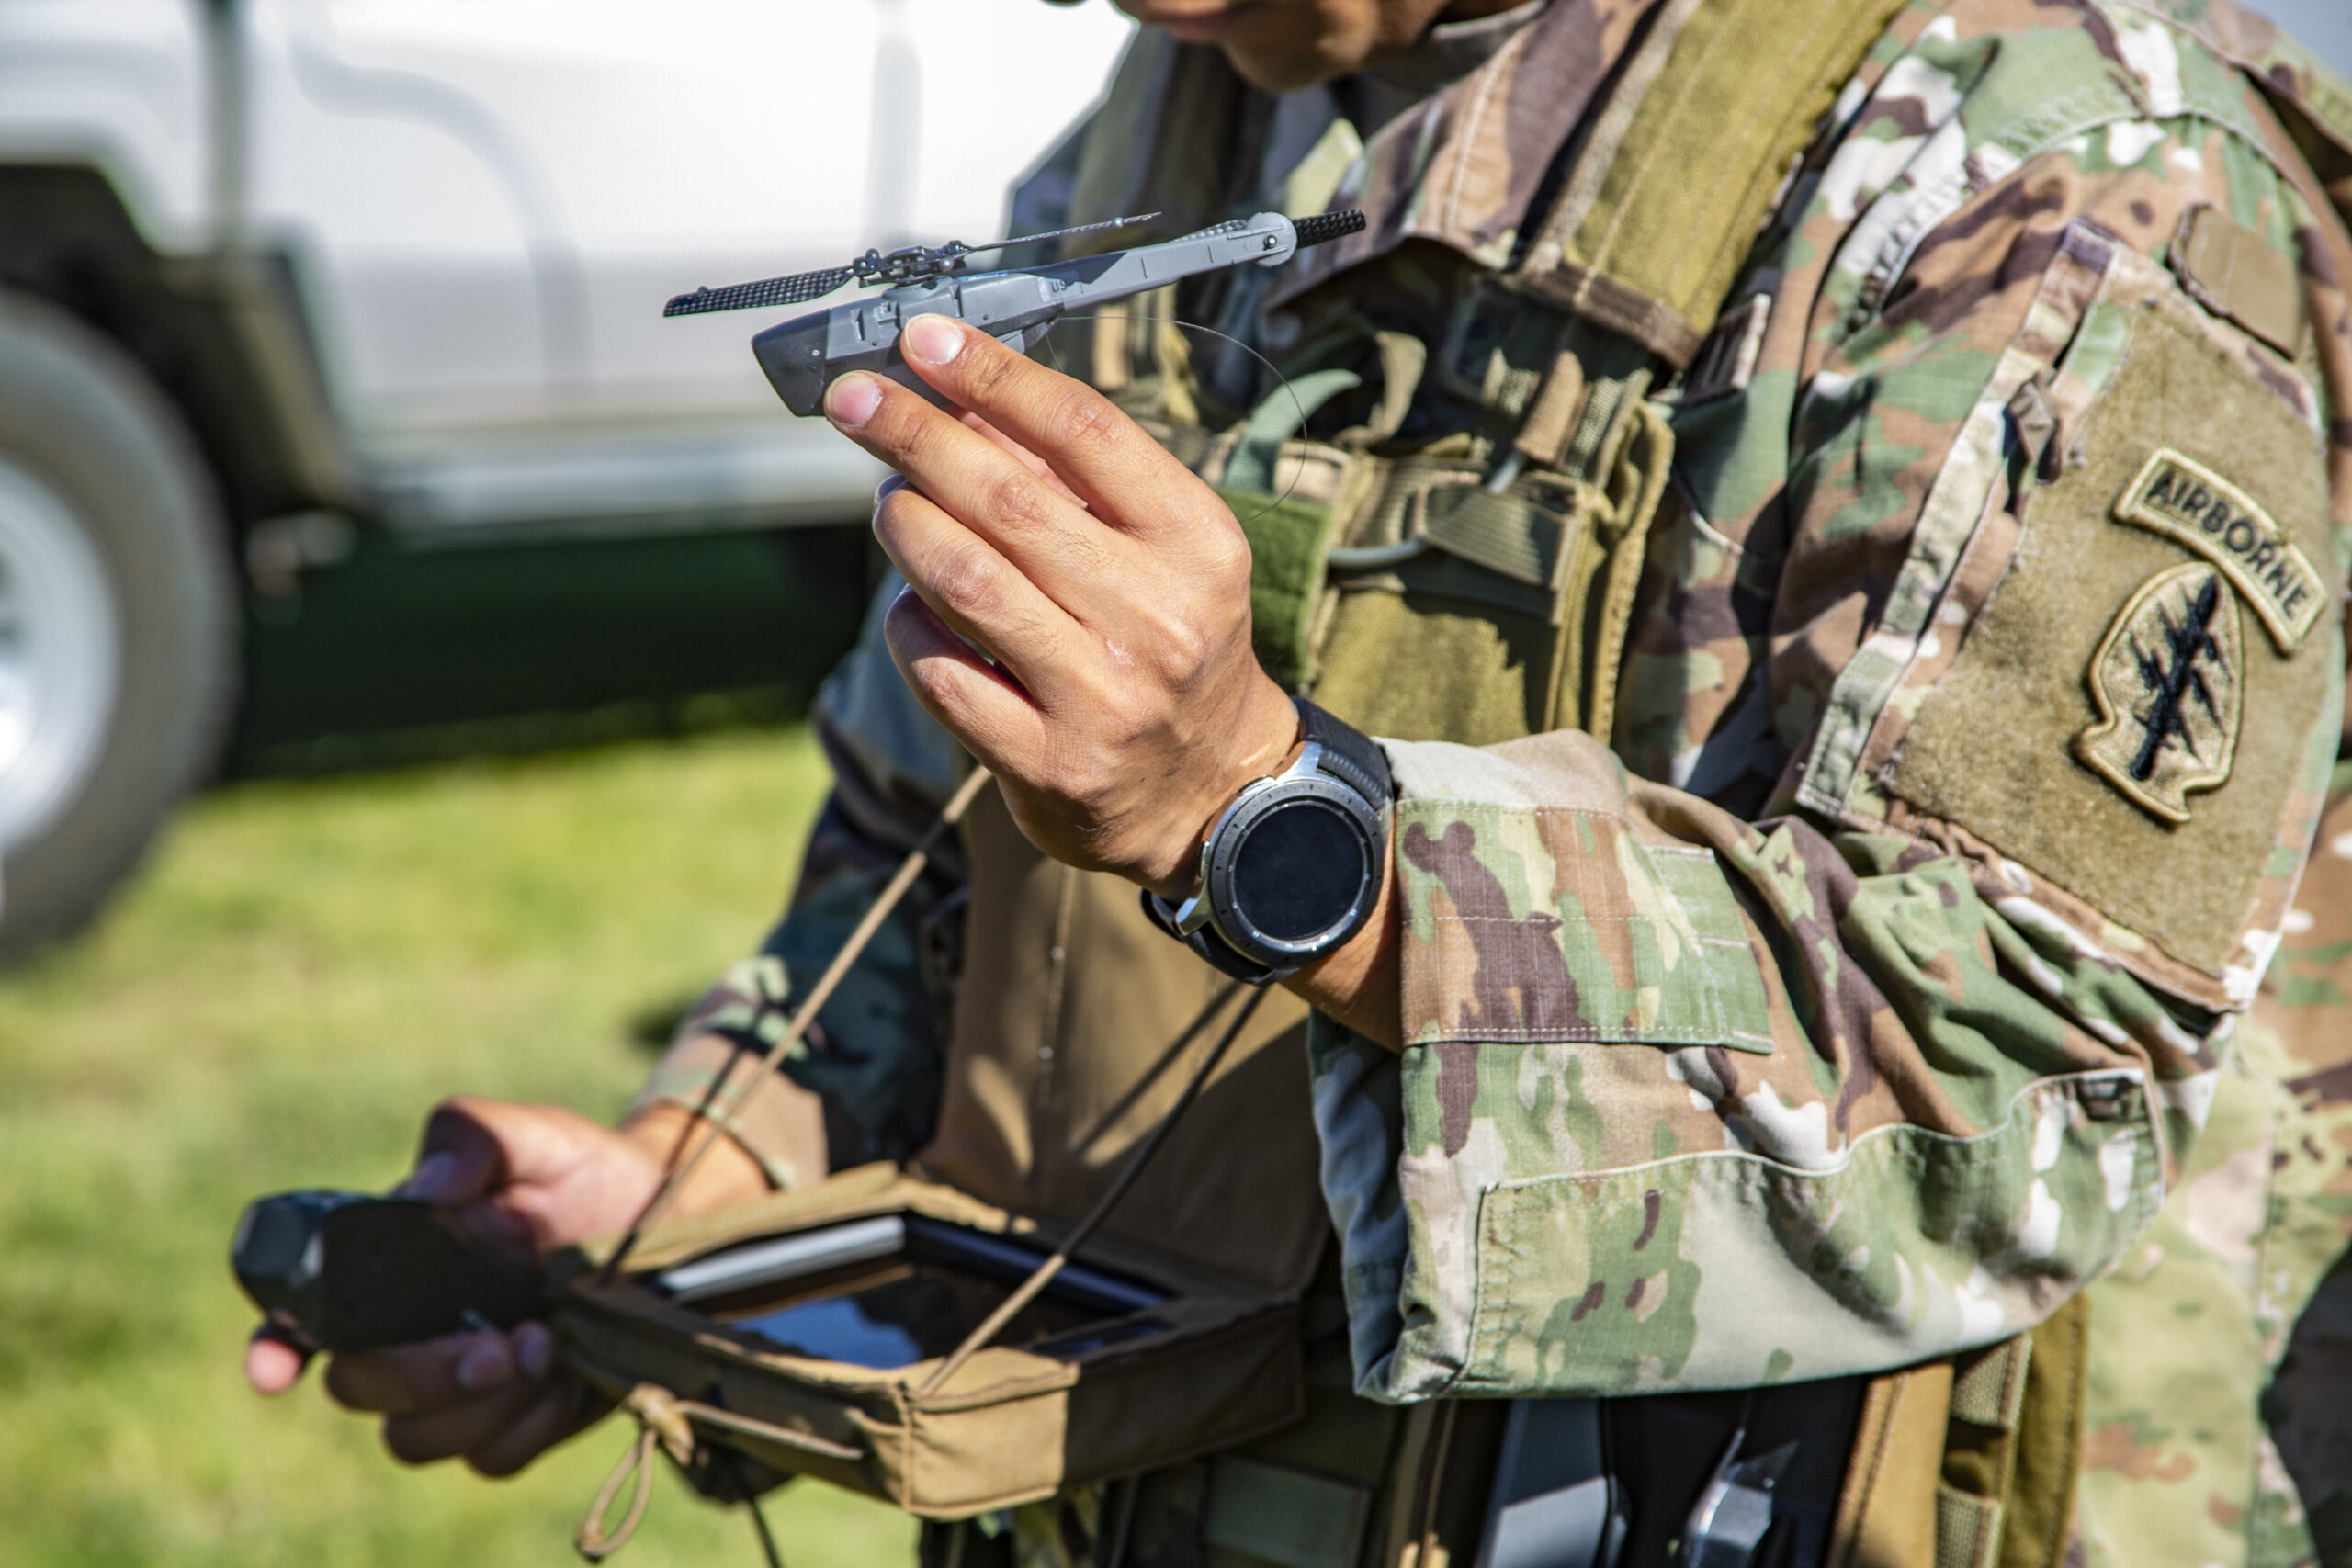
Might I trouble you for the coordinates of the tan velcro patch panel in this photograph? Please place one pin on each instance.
(1998, 746)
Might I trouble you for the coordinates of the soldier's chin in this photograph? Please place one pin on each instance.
(1281, 70)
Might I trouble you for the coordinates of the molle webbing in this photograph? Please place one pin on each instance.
(1685, 160)
(1972, 1462)
(1456, 612)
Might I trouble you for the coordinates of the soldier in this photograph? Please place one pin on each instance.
(1835, 514)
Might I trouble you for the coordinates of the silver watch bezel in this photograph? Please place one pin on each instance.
(1211, 904)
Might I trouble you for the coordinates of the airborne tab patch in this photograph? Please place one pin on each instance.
(2192, 505)
(2169, 680)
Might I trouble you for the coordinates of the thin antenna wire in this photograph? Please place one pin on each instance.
(1128, 221)
(733, 1459)
(819, 994)
(1245, 348)
(1010, 1308)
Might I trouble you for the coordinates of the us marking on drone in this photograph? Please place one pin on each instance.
(1016, 305)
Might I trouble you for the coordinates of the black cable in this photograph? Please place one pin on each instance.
(734, 1462)
(760, 1529)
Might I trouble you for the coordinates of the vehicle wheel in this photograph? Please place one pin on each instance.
(118, 618)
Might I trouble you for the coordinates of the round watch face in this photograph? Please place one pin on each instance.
(1298, 872)
(1294, 871)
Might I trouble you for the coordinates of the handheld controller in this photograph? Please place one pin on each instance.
(347, 1272)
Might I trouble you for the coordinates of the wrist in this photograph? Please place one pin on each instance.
(1358, 985)
(665, 1133)
(1265, 743)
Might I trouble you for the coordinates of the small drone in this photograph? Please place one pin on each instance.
(803, 356)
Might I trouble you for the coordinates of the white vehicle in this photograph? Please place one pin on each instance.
(271, 270)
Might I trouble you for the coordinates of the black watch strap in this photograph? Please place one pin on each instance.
(1348, 755)
(1213, 949)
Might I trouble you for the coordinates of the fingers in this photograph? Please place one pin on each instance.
(974, 699)
(495, 1399)
(274, 1363)
(557, 1413)
(992, 492)
(406, 1380)
(1022, 455)
(971, 585)
(435, 1434)
(1100, 453)
(460, 1157)
(496, 1143)
(463, 1163)
(496, 1434)
(523, 1178)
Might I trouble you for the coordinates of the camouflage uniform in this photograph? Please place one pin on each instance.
(1885, 981)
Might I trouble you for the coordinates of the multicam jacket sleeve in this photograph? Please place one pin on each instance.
(874, 1056)
(1868, 997)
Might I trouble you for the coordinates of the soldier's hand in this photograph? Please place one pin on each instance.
(525, 1178)
(1111, 586)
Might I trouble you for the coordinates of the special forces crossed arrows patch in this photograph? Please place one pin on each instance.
(2169, 676)
(2168, 684)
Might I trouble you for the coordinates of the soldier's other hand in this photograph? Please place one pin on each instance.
(1121, 705)
(525, 1178)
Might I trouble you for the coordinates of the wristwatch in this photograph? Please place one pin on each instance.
(1292, 867)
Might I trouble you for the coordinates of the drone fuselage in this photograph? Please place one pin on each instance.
(804, 357)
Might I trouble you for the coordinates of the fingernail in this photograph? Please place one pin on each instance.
(433, 1179)
(534, 1351)
(888, 488)
(933, 339)
(852, 400)
(485, 1366)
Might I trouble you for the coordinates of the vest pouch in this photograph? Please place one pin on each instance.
(1973, 1461)
(801, 1332)
(1461, 613)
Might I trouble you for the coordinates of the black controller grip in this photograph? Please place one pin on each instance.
(347, 1273)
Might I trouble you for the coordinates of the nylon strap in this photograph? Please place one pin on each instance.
(1713, 113)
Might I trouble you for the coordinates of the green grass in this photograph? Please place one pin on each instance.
(299, 972)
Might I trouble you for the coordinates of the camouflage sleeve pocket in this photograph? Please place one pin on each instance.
(1533, 916)
(1727, 1269)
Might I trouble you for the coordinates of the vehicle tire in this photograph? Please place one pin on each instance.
(118, 618)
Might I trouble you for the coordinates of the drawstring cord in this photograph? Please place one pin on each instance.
(660, 1423)
(666, 1422)
(819, 995)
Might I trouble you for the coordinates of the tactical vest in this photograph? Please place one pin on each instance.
(1473, 590)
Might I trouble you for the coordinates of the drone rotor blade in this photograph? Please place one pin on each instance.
(1061, 233)
(798, 289)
